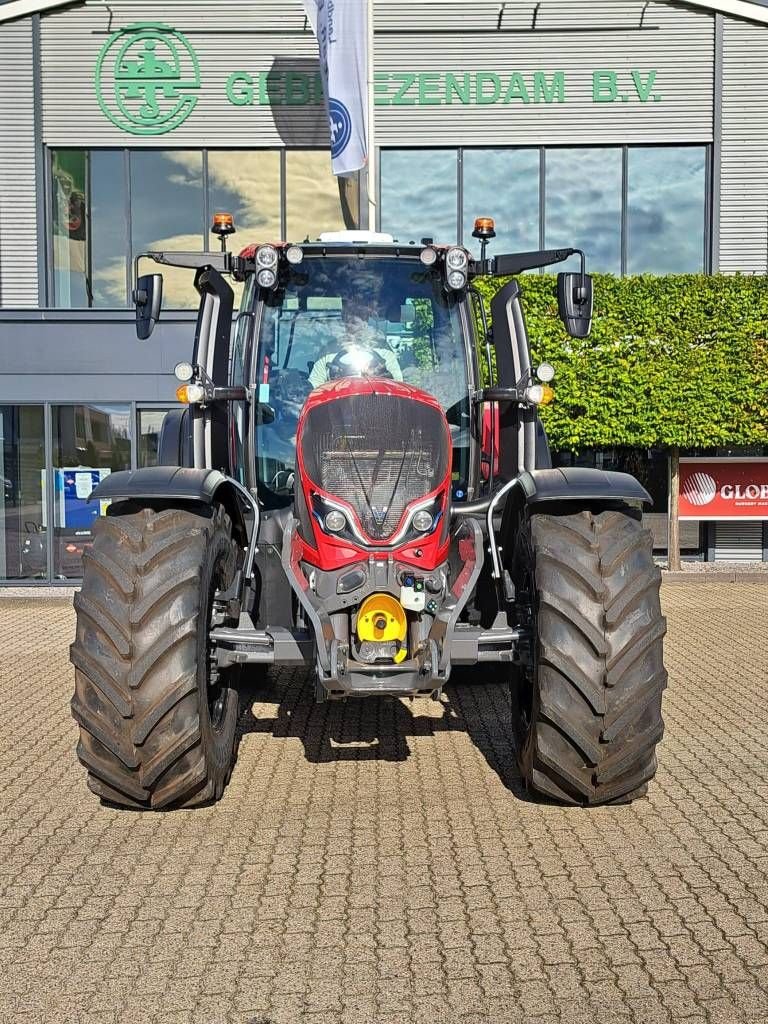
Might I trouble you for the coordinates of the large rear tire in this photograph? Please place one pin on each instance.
(588, 696)
(157, 719)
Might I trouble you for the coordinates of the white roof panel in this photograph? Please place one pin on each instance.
(751, 10)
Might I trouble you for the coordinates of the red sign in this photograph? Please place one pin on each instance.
(724, 488)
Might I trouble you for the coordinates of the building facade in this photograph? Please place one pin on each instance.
(638, 130)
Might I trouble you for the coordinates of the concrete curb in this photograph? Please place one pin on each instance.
(38, 593)
(714, 577)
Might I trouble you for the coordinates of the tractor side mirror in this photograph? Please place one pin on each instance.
(148, 298)
(574, 303)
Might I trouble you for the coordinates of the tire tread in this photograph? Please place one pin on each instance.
(596, 716)
(136, 658)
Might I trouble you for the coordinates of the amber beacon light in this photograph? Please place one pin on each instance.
(485, 230)
(223, 225)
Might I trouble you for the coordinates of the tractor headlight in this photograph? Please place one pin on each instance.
(335, 521)
(266, 256)
(422, 521)
(456, 259)
(266, 278)
(539, 394)
(428, 256)
(183, 372)
(294, 254)
(457, 280)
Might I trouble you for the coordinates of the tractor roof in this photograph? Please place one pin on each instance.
(354, 246)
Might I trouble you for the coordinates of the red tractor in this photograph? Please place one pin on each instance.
(358, 483)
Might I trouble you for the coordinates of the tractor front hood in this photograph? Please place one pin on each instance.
(374, 468)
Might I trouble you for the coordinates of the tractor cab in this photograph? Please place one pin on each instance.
(359, 309)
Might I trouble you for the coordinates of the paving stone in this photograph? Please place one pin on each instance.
(414, 884)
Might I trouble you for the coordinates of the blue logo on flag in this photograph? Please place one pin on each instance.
(340, 125)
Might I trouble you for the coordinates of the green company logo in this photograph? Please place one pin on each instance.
(146, 77)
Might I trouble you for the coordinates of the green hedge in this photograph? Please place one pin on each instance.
(676, 360)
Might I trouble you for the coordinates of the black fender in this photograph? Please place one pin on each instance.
(172, 485)
(575, 487)
(580, 484)
(569, 484)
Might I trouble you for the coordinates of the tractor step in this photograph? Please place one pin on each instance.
(275, 645)
(355, 686)
(470, 645)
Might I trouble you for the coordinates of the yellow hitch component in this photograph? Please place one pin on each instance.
(382, 619)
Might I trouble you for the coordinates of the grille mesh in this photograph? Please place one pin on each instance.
(379, 453)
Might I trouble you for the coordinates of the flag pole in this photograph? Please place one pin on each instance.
(372, 179)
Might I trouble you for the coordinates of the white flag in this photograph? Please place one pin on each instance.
(341, 28)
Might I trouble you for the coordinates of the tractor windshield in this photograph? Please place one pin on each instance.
(342, 316)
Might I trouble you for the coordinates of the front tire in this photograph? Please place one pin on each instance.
(588, 697)
(157, 720)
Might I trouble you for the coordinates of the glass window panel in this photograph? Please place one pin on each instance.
(89, 228)
(666, 209)
(583, 205)
(69, 189)
(167, 213)
(89, 442)
(109, 235)
(316, 200)
(419, 194)
(503, 184)
(150, 424)
(246, 183)
(23, 551)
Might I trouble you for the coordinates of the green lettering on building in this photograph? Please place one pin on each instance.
(605, 86)
(457, 87)
(240, 88)
(516, 90)
(443, 88)
(552, 91)
(644, 88)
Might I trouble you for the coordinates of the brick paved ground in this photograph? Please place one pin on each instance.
(377, 863)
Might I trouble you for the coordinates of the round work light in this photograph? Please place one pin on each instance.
(456, 259)
(183, 371)
(266, 256)
(335, 521)
(266, 277)
(422, 521)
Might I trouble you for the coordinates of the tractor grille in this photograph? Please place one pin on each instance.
(378, 453)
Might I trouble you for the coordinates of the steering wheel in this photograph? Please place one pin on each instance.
(282, 481)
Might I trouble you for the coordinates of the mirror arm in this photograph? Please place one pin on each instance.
(499, 394)
(217, 393)
(221, 261)
(233, 394)
(511, 263)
